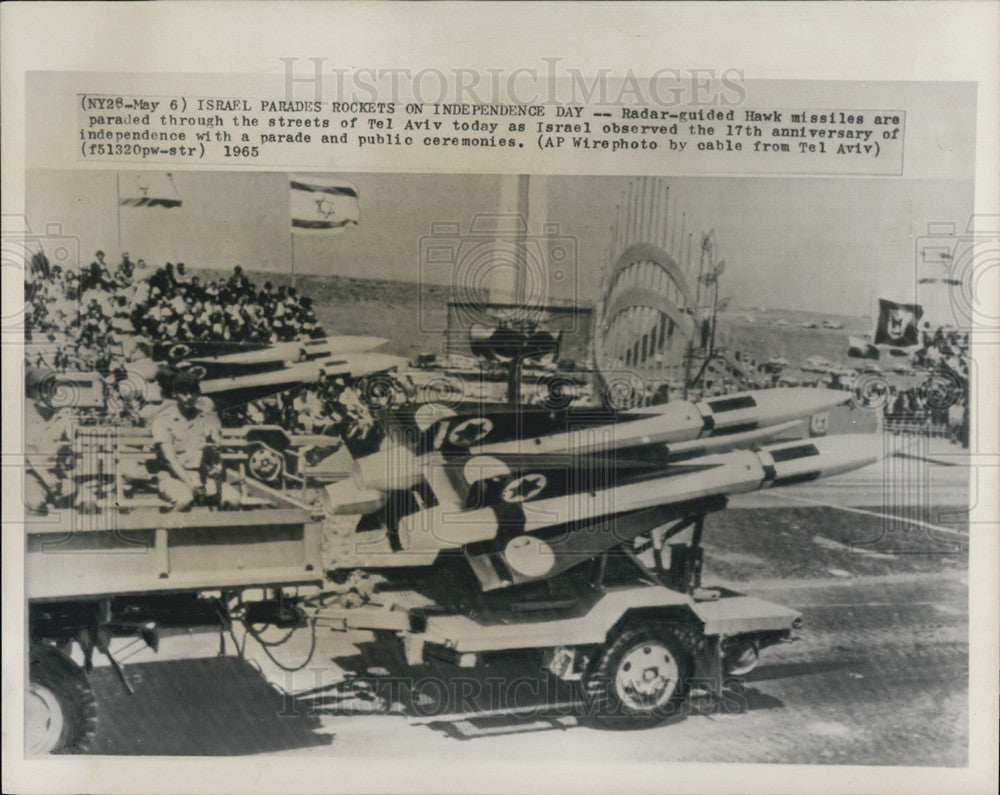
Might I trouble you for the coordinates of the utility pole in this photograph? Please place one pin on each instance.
(696, 325)
(716, 273)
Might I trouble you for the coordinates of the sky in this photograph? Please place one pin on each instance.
(817, 244)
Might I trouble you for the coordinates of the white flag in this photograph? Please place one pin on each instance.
(321, 205)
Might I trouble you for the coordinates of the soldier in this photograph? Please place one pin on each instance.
(94, 275)
(47, 440)
(124, 271)
(182, 431)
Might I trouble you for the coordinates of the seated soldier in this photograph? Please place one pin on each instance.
(47, 440)
(182, 432)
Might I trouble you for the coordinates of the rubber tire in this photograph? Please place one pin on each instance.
(68, 684)
(605, 705)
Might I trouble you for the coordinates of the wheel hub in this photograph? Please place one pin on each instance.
(647, 675)
(43, 720)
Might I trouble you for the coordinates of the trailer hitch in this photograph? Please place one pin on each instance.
(281, 612)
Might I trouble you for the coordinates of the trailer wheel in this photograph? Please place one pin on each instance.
(60, 711)
(640, 678)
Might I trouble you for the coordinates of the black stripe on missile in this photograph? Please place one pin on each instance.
(499, 565)
(673, 457)
(794, 453)
(733, 403)
(746, 426)
(789, 480)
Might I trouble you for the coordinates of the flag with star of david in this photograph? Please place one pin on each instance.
(322, 205)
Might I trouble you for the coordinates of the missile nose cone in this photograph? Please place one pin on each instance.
(827, 398)
(823, 457)
(351, 344)
(359, 364)
(865, 448)
(803, 400)
(779, 405)
(377, 362)
(365, 343)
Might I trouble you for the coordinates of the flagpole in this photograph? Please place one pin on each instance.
(291, 235)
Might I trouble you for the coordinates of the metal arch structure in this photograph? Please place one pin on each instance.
(638, 253)
(648, 307)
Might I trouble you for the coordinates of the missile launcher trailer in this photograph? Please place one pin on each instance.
(600, 593)
(634, 630)
(634, 637)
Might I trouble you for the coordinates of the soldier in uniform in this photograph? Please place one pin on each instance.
(183, 430)
(47, 440)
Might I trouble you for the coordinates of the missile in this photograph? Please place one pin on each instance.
(356, 365)
(301, 350)
(694, 448)
(177, 351)
(348, 365)
(393, 468)
(328, 346)
(396, 469)
(589, 431)
(565, 522)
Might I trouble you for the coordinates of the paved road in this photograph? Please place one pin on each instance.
(879, 677)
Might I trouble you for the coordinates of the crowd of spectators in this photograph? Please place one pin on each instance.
(103, 319)
(93, 312)
(941, 402)
(174, 305)
(944, 350)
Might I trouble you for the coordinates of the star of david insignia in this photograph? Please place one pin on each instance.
(325, 208)
(179, 351)
(470, 431)
(524, 488)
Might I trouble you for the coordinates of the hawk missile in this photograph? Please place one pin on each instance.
(301, 351)
(531, 429)
(396, 469)
(347, 365)
(518, 525)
